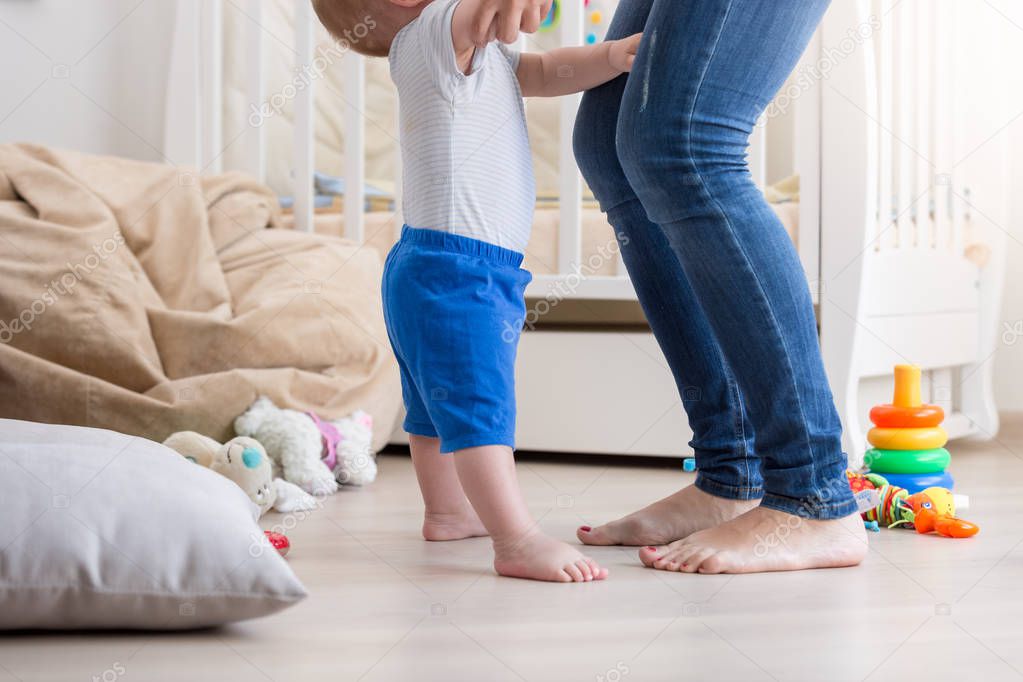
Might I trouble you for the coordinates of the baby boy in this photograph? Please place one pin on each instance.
(453, 284)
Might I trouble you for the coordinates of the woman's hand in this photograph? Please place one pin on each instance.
(503, 19)
(623, 52)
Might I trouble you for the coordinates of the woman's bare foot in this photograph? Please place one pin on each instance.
(541, 557)
(676, 516)
(441, 526)
(764, 539)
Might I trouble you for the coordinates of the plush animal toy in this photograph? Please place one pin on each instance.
(244, 461)
(310, 452)
(929, 511)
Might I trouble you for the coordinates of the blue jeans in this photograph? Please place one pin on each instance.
(663, 150)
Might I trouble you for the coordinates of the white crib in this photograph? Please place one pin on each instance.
(891, 206)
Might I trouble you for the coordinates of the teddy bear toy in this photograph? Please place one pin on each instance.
(315, 454)
(244, 461)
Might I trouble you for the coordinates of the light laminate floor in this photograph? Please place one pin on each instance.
(385, 605)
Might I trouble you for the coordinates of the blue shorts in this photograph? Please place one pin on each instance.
(454, 308)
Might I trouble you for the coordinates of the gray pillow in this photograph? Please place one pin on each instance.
(103, 530)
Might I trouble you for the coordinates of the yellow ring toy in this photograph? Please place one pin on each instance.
(885, 438)
(931, 461)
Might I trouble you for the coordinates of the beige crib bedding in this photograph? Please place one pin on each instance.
(134, 301)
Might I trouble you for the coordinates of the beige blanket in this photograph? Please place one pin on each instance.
(144, 299)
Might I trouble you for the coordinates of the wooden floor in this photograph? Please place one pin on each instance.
(385, 605)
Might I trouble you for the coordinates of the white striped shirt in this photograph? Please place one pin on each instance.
(467, 167)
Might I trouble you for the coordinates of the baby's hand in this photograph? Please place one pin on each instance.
(623, 52)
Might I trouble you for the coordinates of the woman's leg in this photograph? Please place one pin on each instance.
(729, 472)
(705, 72)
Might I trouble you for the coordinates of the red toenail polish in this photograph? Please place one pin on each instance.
(585, 529)
(652, 549)
(685, 565)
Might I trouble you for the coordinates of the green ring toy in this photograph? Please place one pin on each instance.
(930, 461)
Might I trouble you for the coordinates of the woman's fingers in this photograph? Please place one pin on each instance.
(484, 25)
(632, 43)
(531, 19)
(503, 19)
(509, 21)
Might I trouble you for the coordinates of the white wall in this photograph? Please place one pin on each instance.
(1009, 356)
(85, 74)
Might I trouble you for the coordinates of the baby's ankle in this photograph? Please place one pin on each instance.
(512, 539)
(452, 524)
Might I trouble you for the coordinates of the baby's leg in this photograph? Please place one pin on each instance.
(487, 475)
(449, 516)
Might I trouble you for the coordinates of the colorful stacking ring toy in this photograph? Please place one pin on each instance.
(887, 438)
(932, 461)
(915, 483)
(907, 437)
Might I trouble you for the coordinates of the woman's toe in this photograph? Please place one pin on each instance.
(648, 555)
(595, 536)
(695, 558)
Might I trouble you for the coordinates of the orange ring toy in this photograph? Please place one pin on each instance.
(906, 411)
(901, 417)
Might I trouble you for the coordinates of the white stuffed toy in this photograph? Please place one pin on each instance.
(244, 461)
(314, 454)
(356, 464)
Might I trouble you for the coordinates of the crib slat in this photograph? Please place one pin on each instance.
(904, 116)
(213, 90)
(886, 160)
(570, 229)
(195, 10)
(304, 163)
(399, 218)
(255, 150)
(960, 51)
(355, 146)
(941, 134)
(924, 237)
(757, 155)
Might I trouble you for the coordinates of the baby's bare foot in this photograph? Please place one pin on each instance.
(540, 557)
(676, 516)
(444, 526)
(764, 539)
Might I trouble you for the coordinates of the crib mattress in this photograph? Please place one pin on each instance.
(541, 257)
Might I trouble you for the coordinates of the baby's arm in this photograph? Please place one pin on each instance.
(563, 71)
(569, 70)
